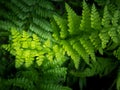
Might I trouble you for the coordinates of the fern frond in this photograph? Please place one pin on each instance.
(42, 23)
(22, 83)
(59, 53)
(44, 13)
(6, 25)
(71, 52)
(29, 15)
(113, 34)
(88, 47)
(55, 63)
(14, 10)
(38, 30)
(94, 37)
(59, 73)
(82, 52)
(85, 22)
(106, 18)
(63, 26)
(48, 5)
(95, 34)
(101, 67)
(31, 74)
(112, 7)
(73, 20)
(104, 37)
(6, 47)
(95, 19)
(56, 30)
(25, 48)
(53, 87)
(115, 18)
(21, 5)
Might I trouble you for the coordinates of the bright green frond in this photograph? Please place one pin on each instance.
(85, 22)
(94, 37)
(86, 43)
(73, 20)
(82, 52)
(104, 38)
(71, 52)
(95, 19)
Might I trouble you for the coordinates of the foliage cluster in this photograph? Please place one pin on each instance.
(42, 50)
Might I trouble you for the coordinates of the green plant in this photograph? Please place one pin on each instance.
(39, 64)
(28, 15)
(82, 46)
(89, 38)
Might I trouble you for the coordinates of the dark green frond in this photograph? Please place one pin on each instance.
(102, 67)
(22, 83)
(62, 25)
(106, 17)
(53, 87)
(115, 18)
(118, 81)
(29, 15)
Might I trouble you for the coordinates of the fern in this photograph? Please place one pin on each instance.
(101, 67)
(25, 48)
(62, 23)
(58, 75)
(104, 38)
(28, 15)
(42, 58)
(37, 78)
(106, 18)
(82, 39)
(44, 72)
(113, 34)
(22, 83)
(96, 41)
(85, 22)
(95, 19)
(115, 18)
(71, 52)
(81, 50)
(53, 87)
(73, 24)
(56, 30)
(97, 37)
(88, 47)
